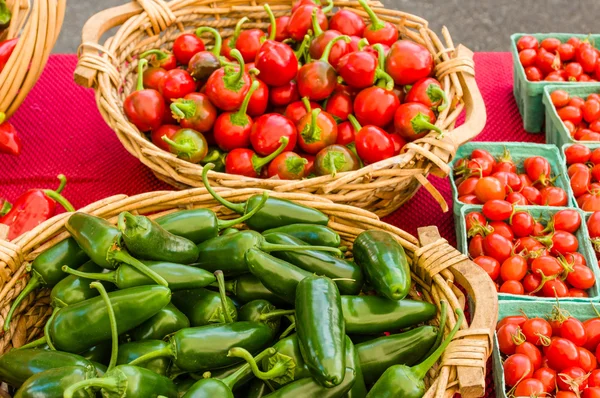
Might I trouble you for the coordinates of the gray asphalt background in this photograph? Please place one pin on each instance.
(482, 25)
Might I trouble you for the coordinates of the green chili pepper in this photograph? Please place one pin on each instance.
(312, 234)
(205, 347)
(18, 365)
(247, 287)
(5, 16)
(178, 276)
(404, 348)
(46, 270)
(99, 353)
(257, 389)
(130, 351)
(217, 157)
(384, 261)
(54, 382)
(321, 330)
(275, 213)
(320, 263)
(227, 252)
(263, 311)
(277, 275)
(289, 348)
(374, 314)
(203, 306)
(401, 381)
(359, 388)
(100, 240)
(166, 321)
(230, 231)
(73, 289)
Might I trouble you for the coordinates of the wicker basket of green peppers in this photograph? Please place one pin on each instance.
(174, 294)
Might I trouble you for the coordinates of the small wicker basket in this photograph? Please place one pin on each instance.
(37, 26)
(437, 270)
(381, 187)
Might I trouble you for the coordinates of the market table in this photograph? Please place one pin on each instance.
(63, 132)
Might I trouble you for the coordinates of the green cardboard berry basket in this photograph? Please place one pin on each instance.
(582, 311)
(519, 152)
(590, 144)
(585, 248)
(529, 94)
(556, 132)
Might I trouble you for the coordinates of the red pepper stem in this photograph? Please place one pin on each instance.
(362, 43)
(160, 55)
(306, 103)
(6, 206)
(63, 183)
(329, 46)
(355, 125)
(312, 131)
(107, 277)
(216, 50)
(435, 94)
(230, 223)
(317, 31)
(113, 324)
(422, 123)
(221, 282)
(234, 82)
(34, 282)
(272, 22)
(240, 118)
(243, 371)
(237, 207)
(59, 199)
(183, 108)
(301, 51)
(141, 65)
(332, 165)
(276, 371)
(258, 163)
(236, 31)
(273, 247)
(120, 256)
(187, 148)
(380, 55)
(376, 23)
(328, 7)
(104, 383)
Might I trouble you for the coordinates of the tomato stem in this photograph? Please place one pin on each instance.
(376, 23)
(272, 21)
(140, 82)
(329, 46)
(258, 163)
(240, 118)
(216, 50)
(315, 23)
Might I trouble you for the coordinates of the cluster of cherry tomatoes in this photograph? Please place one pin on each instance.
(580, 117)
(482, 178)
(312, 96)
(584, 172)
(523, 255)
(551, 60)
(555, 356)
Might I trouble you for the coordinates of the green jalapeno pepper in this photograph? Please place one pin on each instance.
(166, 321)
(320, 263)
(178, 276)
(230, 231)
(321, 330)
(99, 353)
(101, 369)
(205, 347)
(384, 262)
(404, 348)
(54, 382)
(312, 234)
(257, 389)
(46, 270)
(289, 348)
(263, 311)
(275, 213)
(227, 252)
(73, 289)
(183, 385)
(359, 389)
(247, 287)
(203, 306)
(374, 314)
(135, 349)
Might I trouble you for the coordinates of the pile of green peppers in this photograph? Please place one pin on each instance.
(187, 305)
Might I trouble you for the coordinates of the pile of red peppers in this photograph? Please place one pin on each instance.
(312, 96)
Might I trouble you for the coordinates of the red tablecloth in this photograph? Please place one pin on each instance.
(63, 132)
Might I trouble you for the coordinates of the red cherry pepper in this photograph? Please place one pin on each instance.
(195, 111)
(186, 46)
(376, 106)
(168, 117)
(167, 130)
(249, 42)
(204, 63)
(414, 120)
(33, 208)
(153, 76)
(407, 62)
(281, 32)
(361, 69)
(6, 49)
(10, 143)
(284, 95)
(296, 110)
(429, 92)
(188, 144)
(5, 206)
(232, 129)
(346, 133)
(227, 87)
(276, 61)
(144, 107)
(339, 105)
(301, 20)
(316, 131)
(177, 83)
(268, 129)
(347, 23)
(245, 162)
(372, 143)
(260, 100)
(160, 59)
(287, 166)
(378, 31)
(300, 3)
(399, 143)
(335, 159)
(318, 44)
(309, 167)
(317, 79)
(229, 43)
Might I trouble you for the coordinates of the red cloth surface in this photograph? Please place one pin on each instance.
(63, 132)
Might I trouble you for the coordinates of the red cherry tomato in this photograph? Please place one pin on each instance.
(548, 378)
(532, 352)
(522, 224)
(467, 186)
(591, 392)
(517, 198)
(572, 379)
(489, 188)
(594, 379)
(503, 229)
(476, 246)
(537, 330)
(581, 277)
(573, 329)
(550, 44)
(533, 74)
(497, 209)
(570, 113)
(587, 360)
(553, 196)
(529, 388)
(517, 367)
(512, 287)
(562, 354)
(593, 225)
(527, 41)
(528, 57)
(577, 154)
(497, 246)
(490, 265)
(513, 268)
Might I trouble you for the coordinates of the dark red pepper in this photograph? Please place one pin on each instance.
(408, 62)
(204, 63)
(287, 166)
(309, 167)
(185, 46)
(347, 23)
(228, 86)
(296, 110)
(33, 208)
(378, 31)
(188, 144)
(144, 108)
(429, 92)
(232, 129)
(284, 95)
(161, 59)
(244, 161)
(339, 105)
(316, 131)
(153, 76)
(195, 111)
(267, 131)
(301, 20)
(362, 69)
(336, 159)
(414, 120)
(322, 38)
(6, 49)
(372, 143)
(10, 143)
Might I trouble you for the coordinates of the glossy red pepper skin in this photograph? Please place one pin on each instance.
(176, 83)
(302, 3)
(408, 62)
(244, 161)
(160, 59)
(339, 105)
(301, 21)
(414, 120)
(10, 143)
(232, 129)
(378, 31)
(186, 46)
(375, 106)
(249, 42)
(316, 131)
(373, 144)
(6, 49)
(259, 100)
(168, 130)
(267, 131)
(429, 92)
(287, 166)
(399, 143)
(284, 95)
(281, 32)
(347, 23)
(319, 43)
(227, 87)
(309, 167)
(346, 133)
(198, 112)
(296, 110)
(145, 108)
(358, 69)
(277, 63)
(153, 76)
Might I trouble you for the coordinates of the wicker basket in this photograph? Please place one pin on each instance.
(381, 187)
(37, 27)
(436, 267)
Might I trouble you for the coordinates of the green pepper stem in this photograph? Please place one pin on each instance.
(34, 282)
(165, 352)
(362, 43)
(237, 207)
(58, 198)
(421, 369)
(63, 182)
(313, 132)
(306, 103)
(380, 55)
(105, 383)
(442, 326)
(422, 123)
(126, 219)
(332, 165)
(435, 93)
(218, 40)
(221, 282)
(230, 286)
(276, 314)
(258, 163)
(160, 55)
(35, 343)
(276, 371)
(188, 148)
(183, 109)
(236, 31)
(113, 324)
(288, 330)
(355, 125)
(315, 23)
(385, 79)
(240, 118)
(230, 223)
(120, 256)
(47, 329)
(330, 45)
(140, 82)
(212, 156)
(107, 277)
(234, 82)
(301, 51)
(272, 22)
(273, 247)
(6, 206)
(376, 23)
(328, 7)
(245, 370)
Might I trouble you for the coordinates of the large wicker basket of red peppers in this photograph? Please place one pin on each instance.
(346, 100)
